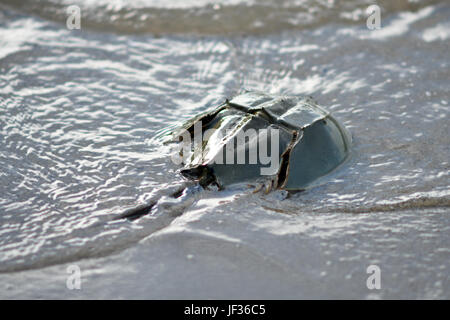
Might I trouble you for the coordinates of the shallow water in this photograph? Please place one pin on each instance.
(79, 109)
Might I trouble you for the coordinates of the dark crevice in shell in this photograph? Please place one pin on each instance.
(283, 172)
(206, 119)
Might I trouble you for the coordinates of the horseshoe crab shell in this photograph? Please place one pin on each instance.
(304, 141)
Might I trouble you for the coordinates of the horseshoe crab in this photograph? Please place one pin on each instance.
(232, 142)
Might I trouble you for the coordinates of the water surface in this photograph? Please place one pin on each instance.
(79, 109)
